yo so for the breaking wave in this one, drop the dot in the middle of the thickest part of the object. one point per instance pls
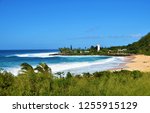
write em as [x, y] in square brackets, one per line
[87, 66]
[35, 55]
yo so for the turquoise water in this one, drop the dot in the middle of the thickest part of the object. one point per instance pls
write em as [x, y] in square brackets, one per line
[10, 60]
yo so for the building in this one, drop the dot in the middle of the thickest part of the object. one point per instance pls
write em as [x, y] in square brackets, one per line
[98, 47]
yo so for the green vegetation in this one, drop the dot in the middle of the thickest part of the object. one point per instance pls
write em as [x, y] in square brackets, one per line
[40, 81]
[140, 47]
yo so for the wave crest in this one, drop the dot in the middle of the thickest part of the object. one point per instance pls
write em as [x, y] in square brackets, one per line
[35, 55]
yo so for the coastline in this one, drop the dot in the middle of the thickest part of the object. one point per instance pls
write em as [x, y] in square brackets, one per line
[116, 63]
[139, 62]
[135, 62]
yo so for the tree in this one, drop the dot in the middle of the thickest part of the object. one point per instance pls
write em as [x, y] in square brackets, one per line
[60, 74]
[44, 69]
[69, 75]
[46, 79]
[27, 69]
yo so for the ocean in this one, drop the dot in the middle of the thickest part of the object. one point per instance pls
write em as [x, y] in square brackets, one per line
[10, 60]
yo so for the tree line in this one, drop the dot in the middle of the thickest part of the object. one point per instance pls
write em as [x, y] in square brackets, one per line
[140, 47]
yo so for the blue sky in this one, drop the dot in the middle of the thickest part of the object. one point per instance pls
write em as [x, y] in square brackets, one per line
[50, 24]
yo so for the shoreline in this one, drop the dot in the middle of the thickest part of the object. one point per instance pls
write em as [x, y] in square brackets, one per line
[131, 63]
[139, 62]
[135, 62]
[79, 67]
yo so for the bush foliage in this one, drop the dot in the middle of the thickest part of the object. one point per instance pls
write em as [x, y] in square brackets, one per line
[41, 82]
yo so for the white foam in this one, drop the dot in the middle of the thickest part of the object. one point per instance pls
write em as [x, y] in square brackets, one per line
[14, 70]
[59, 67]
[74, 65]
[38, 55]
[81, 56]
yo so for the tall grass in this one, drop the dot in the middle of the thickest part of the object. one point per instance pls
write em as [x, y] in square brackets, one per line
[122, 83]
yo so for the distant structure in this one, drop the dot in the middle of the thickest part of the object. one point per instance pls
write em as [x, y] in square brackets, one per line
[71, 47]
[98, 47]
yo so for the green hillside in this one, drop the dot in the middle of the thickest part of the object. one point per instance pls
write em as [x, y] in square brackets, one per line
[141, 47]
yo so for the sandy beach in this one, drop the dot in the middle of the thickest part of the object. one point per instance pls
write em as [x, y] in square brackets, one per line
[138, 62]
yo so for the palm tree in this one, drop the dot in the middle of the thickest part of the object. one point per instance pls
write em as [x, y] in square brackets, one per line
[27, 69]
[41, 74]
[47, 78]
[43, 69]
